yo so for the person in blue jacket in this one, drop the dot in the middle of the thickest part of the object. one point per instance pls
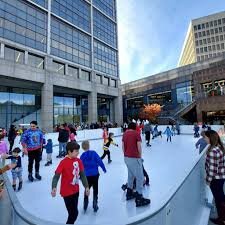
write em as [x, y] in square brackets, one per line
[91, 161]
[168, 133]
[49, 151]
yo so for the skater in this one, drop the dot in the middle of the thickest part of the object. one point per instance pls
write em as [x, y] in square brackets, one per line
[215, 173]
[131, 145]
[11, 137]
[63, 139]
[17, 171]
[147, 130]
[105, 134]
[91, 161]
[196, 130]
[72, 137]
[49, 150]
[201, 143]
[3, 147]
[178, 128]
[173, 129]
[71, 168]
[168, 133]
[108, 142]
[32, 140]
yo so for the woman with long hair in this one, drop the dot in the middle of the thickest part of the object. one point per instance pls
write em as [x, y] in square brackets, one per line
[215, 173]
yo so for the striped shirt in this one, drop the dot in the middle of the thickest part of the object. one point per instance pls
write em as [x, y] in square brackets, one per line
[215, 164]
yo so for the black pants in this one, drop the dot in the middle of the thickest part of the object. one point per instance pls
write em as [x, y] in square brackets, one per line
[147, 136]
[145, 176]
[169, 138]
[216, 187]
[93, 182]
[34, 156]
[71, 203]
[106, 152]
[11, 143]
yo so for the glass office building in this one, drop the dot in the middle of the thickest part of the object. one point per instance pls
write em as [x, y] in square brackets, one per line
[76, 39]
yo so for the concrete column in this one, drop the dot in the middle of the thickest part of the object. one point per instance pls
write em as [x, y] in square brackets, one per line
[118, 110]
[48, 63]
[199, 114]
[26, 58]
[92, 107]
[2, 48]
[66, 69]
[79, 73]
[112, 110]
[49, 28]
[47, 105]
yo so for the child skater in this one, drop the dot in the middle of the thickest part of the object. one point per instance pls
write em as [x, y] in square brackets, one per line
[71, 168]
[91, 162]
[168, 133]
[49, 150]
[108, 142]
[17, 171]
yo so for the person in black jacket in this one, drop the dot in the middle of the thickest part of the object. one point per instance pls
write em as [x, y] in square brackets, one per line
[11, 137]
[63, 139]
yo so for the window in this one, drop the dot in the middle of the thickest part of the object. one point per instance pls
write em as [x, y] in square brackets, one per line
[201, 50]
[113, 83]
[208, 32]
[217, 38]
[205, 49]
[211, 23]
[218, 46]
[98, 79]
[199, 34]
[214, 47]
[202, 57]
[219, 21]
[223, 20]
[108, 7]
[203, 26]
[203, 33]
[198, 58]
[220, 29]
[14, 54]
[200, 42]
[215, 22]
[197, 50]
[85, 75]
[211, 31]
[196, 43]
[199, 27]
[210, 55]
[195, 28]
[204, 41]
[222, 45]
[106, 81]
[216, 30]
[72, 71]
[210, 48]
[207, 25]
[209, 40]
[196, 35]
[221, 37]
[36, 61]
[213, 39]
[58, 67]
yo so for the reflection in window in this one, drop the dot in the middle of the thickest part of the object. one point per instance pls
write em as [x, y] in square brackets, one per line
[98, 79]
[14, 55]
[184, 93]
[58, 67]
[113, 83]
[107, 6]
[36, 61]
[72, 71]
[85, 75]
[106, 81]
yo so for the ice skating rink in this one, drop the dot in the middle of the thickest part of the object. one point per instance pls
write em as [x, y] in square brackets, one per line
[166, 163]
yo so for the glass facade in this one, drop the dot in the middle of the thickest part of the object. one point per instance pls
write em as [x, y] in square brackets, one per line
[18, 106]
[105, 59]
[104, 28]
[184, 93]
[106, 6]
[14, 55]
[70, 109]
[43, 3]
[103, 109]
[78, 12]
[69, 43]
[23, 23]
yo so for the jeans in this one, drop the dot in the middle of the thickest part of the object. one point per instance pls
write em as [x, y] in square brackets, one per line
[62, 148]
[135, 170]
[71, 203]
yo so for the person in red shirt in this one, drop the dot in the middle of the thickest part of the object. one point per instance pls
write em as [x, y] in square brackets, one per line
[131, 144]
[71, 168]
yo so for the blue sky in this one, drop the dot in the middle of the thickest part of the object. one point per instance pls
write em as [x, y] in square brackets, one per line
[152, 32]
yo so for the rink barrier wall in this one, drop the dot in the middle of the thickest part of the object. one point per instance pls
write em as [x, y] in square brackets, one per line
[184, 206]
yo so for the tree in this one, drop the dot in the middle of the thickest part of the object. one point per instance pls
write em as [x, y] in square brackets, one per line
[150, 111]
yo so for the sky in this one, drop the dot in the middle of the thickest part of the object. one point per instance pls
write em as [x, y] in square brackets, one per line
[151, 33]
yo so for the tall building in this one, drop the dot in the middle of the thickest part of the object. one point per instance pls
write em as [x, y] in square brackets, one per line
[205, 39]
[59, 62]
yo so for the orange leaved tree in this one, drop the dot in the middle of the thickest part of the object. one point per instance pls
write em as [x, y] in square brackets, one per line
[150, 111]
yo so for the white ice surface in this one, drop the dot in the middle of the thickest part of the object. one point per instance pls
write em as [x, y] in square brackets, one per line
[166, 163]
